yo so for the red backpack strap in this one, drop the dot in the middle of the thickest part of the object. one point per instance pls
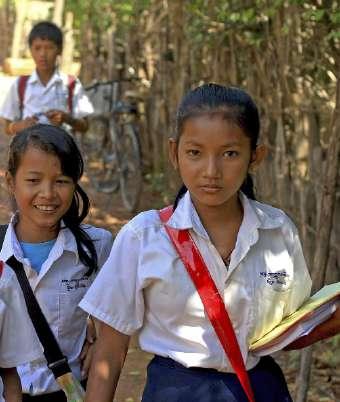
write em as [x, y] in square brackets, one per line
[211, 299]
[22, 83]
[70, 86]
[1, 267]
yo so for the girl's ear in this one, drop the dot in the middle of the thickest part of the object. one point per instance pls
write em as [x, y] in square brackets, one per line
[258, 155]
[9, 182]
[173, 148]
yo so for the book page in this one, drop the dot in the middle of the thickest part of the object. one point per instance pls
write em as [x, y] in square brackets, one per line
[313, 312]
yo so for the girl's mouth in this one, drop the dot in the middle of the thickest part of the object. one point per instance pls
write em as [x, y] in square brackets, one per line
[211, 189]
[46, 208]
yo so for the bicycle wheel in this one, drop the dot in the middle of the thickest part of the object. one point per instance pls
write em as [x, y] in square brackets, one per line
[99, 156]
[131, 177]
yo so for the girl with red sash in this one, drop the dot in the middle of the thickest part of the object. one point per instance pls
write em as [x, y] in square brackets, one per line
[251, 252]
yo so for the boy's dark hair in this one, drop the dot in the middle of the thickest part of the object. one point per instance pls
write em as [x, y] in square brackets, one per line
[46, 30]
[234, 104]
[56, 141]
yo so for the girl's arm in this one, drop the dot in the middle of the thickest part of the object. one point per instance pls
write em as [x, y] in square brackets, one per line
[109, 355]
[12, 385]
[13, 127]
[325, 330]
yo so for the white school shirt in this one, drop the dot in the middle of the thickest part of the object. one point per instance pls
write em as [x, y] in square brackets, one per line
[40, 98]
[144, 285]
[18, 343]
[58, 287]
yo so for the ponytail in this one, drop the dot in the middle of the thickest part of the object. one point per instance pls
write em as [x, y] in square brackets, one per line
[179, 195]
[72, 219]
[248, 187]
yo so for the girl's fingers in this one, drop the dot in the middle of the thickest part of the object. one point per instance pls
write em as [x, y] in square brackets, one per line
[86, 361]
[84, 350]
[90, 331]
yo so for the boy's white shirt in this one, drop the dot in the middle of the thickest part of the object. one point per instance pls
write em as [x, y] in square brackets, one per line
[18, 342]
[58, 287]
[144, 285]
[39, 98]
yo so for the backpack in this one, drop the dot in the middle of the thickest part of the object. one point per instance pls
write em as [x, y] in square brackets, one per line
[22, 83]
[3, 229]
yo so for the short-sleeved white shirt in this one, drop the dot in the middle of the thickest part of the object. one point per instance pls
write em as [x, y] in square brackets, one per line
[59, 287]
[39, 98]
[144, 285]
[18, 342]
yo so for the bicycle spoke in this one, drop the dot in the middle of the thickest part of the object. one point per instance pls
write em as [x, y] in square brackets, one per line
[131, 168]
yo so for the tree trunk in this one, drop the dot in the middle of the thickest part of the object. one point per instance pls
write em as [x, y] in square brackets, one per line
[322, 247]
[68, 50]
[21, 12]
[58, 12]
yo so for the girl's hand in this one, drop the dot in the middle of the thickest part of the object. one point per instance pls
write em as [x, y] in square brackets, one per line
[325, 330]
[87, 350]
[14, 127]
[57, 117]
[28, 122]
[12, 384]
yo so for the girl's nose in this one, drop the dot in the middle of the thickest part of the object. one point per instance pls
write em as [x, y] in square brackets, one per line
[212, 168]
[48, 190]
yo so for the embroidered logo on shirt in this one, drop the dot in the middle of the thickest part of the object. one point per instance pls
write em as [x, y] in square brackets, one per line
[276, 279]
[74, 284]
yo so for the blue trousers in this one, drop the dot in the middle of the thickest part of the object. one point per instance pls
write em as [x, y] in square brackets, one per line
[169, 381]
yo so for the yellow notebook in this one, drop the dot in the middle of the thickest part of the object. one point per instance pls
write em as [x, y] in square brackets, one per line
[313, 312]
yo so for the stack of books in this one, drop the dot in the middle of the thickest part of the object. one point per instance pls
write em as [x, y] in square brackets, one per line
[313, 312]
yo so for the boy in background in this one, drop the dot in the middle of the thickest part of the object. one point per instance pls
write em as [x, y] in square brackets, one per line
[47, 95]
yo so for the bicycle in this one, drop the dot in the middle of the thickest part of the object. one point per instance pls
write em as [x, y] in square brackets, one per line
[111, 146]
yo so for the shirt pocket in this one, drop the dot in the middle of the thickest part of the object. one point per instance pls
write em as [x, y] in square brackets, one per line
[72, 318]
[272, 291]
[276, 272]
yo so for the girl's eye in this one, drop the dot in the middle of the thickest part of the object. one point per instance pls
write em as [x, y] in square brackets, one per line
[64, 181]
[230, 154]
[32, 180]
[193, 152]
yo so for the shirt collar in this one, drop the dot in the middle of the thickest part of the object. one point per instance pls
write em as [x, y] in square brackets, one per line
[56, 77]
[185, 217]
[256, 216]
[11, 246]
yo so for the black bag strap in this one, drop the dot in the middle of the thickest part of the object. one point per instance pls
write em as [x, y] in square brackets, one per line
[3, 229]
[56, 361]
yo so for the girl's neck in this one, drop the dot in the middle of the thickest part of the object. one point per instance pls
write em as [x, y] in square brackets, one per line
[35, 236]
[220, 216]
[222, 223]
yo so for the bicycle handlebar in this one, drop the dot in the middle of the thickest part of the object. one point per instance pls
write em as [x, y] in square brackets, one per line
[110, 82]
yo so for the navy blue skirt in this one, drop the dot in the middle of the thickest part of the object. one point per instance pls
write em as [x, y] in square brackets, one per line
[169, 381]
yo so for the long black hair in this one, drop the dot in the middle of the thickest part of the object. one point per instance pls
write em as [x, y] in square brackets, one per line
[56, 141]
[234, 104]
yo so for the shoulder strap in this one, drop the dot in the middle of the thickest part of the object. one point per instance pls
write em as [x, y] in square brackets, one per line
[71, 84]
[56, 361]
[21, 92]
[211, 299]
[3, 229]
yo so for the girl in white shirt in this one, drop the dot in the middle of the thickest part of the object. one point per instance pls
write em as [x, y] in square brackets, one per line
[252, 251]
[59, 253]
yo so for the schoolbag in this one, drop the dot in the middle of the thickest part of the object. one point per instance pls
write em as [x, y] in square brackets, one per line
[22, 83]
[3, 229]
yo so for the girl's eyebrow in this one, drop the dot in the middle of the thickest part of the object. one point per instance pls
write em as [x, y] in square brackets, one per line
[225, 145]
[33, 172]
